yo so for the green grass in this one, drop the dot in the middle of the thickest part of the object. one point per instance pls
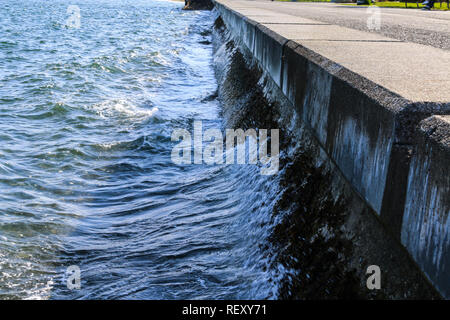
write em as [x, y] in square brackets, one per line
[410, 5]
[384, 4]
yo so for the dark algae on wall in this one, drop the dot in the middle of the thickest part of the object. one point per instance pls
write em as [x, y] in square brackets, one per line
[309, 236]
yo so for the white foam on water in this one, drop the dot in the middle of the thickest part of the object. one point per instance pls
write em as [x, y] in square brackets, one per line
[122, 108]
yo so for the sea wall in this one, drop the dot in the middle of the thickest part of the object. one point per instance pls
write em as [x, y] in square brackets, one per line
[378, 140]
[426, 225]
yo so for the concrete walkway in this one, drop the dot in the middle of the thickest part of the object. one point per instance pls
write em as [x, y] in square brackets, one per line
[413, 70]
[425, 27]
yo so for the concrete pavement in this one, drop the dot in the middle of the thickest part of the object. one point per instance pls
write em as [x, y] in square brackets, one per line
[425, 27]
[417, 72]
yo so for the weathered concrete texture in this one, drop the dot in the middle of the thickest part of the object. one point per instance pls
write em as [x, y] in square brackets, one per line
[362, 109]
[413, 81]
[333, 241]
[356, 130]
[426, 221]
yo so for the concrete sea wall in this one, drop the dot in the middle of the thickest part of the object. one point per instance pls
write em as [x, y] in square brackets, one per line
[395, 153]
[426, 225]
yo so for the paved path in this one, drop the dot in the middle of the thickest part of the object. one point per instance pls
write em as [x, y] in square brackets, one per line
[398, 61]
[424, 27]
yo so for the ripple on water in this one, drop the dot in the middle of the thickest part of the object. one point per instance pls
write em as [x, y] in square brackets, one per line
[85, 171]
